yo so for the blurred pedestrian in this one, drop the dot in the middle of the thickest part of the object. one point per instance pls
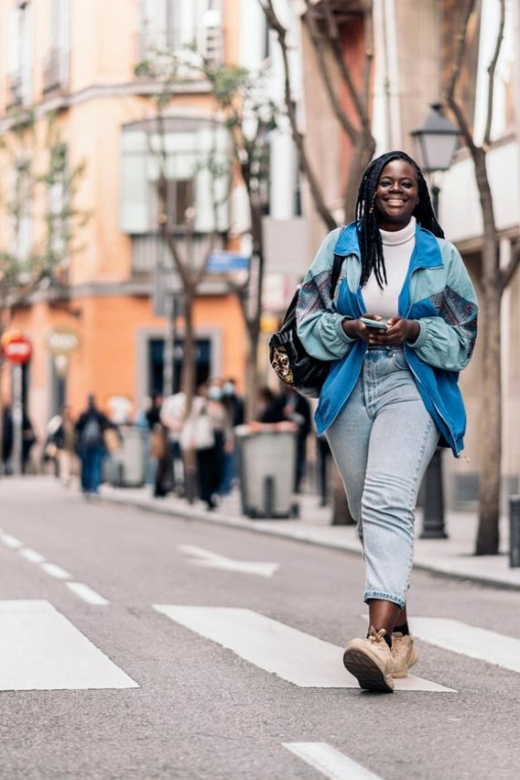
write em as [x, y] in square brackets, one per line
[172, 415]
[401, 327]
[270, 410]
[296, 409]
[90, 428]
[234, 405]
[207, 431]
[65, 441]
[29, 439]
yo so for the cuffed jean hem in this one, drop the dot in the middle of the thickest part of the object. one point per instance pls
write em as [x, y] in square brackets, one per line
[375, 594]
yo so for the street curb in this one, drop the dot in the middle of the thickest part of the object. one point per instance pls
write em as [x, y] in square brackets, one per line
[276, 528]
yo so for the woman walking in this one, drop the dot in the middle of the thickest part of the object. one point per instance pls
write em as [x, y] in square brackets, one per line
[402, 325]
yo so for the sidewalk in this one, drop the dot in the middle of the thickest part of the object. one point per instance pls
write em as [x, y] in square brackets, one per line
[452, 557]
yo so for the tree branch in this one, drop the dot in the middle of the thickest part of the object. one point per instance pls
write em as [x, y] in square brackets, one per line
[507, 273]
[320, 42]
[326, 216]
[491, 73]
[451, 101]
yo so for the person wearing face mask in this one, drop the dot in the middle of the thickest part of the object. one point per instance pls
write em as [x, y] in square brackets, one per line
[400, 328]
[208, 431]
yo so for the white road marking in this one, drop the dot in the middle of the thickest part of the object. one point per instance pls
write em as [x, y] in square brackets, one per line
[294, 656]
[87, 594]
[42, 650]
[56, 571]
[11, 541]
[329, 761]
[468, 640]
[31, 555]
[214, 561]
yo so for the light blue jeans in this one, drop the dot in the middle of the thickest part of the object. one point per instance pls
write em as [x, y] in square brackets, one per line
[382, 442]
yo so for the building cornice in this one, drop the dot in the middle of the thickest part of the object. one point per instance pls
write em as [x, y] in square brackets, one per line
[140, 88]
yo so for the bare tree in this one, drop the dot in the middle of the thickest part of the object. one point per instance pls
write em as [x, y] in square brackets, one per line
[250, 116]
[324, 33]
[493, 281]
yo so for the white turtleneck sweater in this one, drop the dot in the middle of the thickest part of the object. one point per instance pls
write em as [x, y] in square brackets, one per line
[398, 246]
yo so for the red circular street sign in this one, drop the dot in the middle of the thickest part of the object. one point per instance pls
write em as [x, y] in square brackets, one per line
[16, 347]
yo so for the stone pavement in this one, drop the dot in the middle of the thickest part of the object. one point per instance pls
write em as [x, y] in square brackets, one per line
[452, 557]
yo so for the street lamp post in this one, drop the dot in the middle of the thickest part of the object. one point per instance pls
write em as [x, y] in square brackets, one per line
[437, 139]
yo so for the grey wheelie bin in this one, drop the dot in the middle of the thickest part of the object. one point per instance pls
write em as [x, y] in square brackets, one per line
[267, 463]
[129, 461]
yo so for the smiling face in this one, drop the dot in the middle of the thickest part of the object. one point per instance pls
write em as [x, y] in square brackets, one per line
[397, 195]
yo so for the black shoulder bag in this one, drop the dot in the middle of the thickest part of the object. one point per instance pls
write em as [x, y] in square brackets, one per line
[287, 355]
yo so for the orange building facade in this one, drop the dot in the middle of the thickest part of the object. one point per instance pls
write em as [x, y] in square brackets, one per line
[101, 330]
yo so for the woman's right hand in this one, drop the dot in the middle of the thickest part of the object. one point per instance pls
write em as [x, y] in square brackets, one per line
[355, 329]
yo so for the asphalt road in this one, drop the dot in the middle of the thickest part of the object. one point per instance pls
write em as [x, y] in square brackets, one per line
[103, 676]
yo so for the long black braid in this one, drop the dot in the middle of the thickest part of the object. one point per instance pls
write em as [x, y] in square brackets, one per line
[370, 243]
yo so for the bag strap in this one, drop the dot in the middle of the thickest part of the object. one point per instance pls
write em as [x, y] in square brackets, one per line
[334, 274]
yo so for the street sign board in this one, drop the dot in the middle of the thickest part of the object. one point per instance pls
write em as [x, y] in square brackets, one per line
[227, 262]
[16, 347]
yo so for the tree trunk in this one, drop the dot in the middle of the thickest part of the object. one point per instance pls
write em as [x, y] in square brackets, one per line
[487, 542]
[188, 387]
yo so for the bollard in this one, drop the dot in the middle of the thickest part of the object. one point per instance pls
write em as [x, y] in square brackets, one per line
[433, 510]
[514, 532]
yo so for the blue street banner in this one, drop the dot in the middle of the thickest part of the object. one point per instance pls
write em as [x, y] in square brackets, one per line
[227, 262]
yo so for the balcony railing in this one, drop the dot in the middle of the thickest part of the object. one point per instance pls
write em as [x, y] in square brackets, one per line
[149, 251]
[55, 71]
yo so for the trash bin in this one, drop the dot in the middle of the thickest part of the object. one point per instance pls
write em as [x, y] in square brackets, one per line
[267, 463]
[129, 466]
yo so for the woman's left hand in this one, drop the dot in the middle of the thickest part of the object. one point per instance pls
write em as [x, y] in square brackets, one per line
[400, 330]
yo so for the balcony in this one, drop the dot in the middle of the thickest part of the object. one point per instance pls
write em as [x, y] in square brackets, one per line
[55, 72]
[149, 252]
[209, 40]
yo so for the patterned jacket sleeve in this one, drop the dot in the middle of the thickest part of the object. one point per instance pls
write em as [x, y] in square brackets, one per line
[319, 324]
[447, 341]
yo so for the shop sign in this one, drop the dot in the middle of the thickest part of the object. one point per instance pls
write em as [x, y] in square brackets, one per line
[62, 340]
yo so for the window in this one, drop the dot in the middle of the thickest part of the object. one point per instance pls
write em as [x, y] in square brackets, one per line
[19, 209]
[195, 148]
[20, 55]
[181, 24]
[56, 66]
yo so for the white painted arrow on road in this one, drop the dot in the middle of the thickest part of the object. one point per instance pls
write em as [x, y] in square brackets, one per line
[214, 561]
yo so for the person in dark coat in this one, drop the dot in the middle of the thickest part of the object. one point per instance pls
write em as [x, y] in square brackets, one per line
[90, 427]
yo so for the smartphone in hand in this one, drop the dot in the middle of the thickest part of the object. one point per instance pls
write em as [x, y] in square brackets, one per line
[381, 324]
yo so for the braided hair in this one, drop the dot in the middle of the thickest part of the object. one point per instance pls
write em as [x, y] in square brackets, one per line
[371, 246]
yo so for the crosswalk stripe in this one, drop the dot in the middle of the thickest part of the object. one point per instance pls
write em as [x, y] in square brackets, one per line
[42, 650]
[31, 555]
[469, 641]
[55, 571]
[329, 761]
[294, 656]
[11, 541]
[87, 594]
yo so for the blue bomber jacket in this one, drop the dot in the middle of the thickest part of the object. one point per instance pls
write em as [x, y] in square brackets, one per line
[437, 292]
